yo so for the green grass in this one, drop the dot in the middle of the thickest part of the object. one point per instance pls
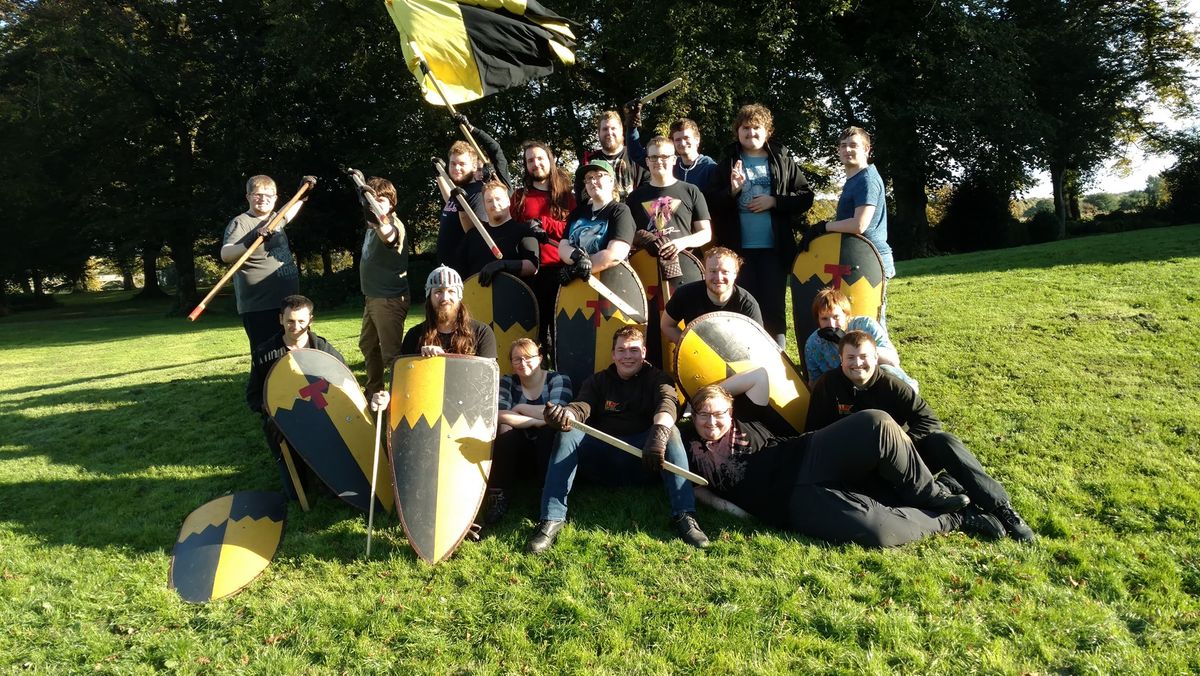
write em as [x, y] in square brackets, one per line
[1070, 368]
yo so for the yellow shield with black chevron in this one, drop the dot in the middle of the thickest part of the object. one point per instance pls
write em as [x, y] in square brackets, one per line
[443, 421]
[317, 404]
[848, 263]
[585, 321]
[661, 352]
[226, 543]
[508, 306]
[720, 344]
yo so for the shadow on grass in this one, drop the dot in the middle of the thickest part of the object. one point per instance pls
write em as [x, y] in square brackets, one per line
[1155, 245]
[91, 379]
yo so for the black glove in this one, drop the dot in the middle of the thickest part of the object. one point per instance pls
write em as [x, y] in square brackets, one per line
[490, 270]
[457, 192]
[267, 234]
[583, 268]
[831, 334]
[644, 239]
[556, 417]
[633, 115]
[439, 166]
[535, 230]
[813, 232]
[371, 217]
[459, 118]
[654, 451]
[312, 184]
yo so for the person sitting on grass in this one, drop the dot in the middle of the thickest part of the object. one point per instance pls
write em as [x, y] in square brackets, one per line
[831, 311]
[819, 484]
[631, 400]
[295, 318]
[860, 385]
[523, 440]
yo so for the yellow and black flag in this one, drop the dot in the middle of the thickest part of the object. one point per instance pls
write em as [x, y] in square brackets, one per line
[479, 47]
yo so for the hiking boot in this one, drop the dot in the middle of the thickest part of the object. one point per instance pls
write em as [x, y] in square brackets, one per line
[497, 506]
[944, 501]
[1013, 523]
[981, 523]
[689, 531]
[543, 536]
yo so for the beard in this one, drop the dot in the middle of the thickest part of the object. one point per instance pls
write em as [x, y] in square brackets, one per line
[446, 314]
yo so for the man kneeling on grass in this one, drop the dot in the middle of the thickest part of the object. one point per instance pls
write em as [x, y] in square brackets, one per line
[833, 484]
[631, 400]
[860, 385]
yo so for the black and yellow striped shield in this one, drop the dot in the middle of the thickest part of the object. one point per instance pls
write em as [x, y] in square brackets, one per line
[508, 306]
[661, 352]
[848, 263]
[585, 321]
[720, 344]
[443, 421]
[317, 404]
[226, 543]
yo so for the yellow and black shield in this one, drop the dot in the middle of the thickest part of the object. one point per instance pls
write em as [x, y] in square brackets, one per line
[720, 344]
[443, 422]
[661, 352]
[848, 263]
[585, 321]
[508, 306]
[225, 544]
[317, 404]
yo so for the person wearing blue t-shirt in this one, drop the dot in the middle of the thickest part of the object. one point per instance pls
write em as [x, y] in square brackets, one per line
[862, 207]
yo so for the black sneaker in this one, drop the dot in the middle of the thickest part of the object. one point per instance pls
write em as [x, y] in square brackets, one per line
[689, 530]
[497, 501]
[981, 523]
[1013, 523]
[944, 501]
[543, 536]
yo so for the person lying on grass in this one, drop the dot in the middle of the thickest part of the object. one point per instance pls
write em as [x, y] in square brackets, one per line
[838, 484]
[860, 385]
[831, 311]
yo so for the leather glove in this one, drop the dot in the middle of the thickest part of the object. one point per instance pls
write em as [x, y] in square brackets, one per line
[583, 268]
[664, 246]
[633, 115]
[654, 451]
[459, 118]
[812, 233]
[489, 271]
[267, 234]
[644, 239]
[535, 230]
[370, 217]
[831, 334]
[457, 192]
[556, 417]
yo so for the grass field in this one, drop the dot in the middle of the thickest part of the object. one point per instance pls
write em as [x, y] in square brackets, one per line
[1070, 368]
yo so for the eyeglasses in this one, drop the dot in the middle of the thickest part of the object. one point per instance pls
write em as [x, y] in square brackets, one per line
[711, 415]
[595, 178]
[661, 158]
[527, 359]
[263, 195]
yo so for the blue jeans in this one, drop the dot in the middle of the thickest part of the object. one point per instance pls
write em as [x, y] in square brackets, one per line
[609, 466]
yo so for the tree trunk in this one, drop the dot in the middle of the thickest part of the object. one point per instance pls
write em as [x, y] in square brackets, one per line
[127, 280]
[327, 261]
[150, 287]
[4, 311]
[181, 244]
[908, 231]
[37, 288]
[1058, 177]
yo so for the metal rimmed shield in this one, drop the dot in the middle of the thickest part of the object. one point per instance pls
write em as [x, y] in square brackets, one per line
[317, 404]
[584, 321]
[226, 543]
[508, 306]
[661, 352]
[720, 344]
[845, 262]
[443, 421]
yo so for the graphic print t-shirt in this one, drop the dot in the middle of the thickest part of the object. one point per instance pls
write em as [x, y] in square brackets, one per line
[593, 231]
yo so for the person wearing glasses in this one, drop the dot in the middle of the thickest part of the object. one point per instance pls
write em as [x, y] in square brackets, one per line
[826, 484]
[671, 215]
[270, 274]
[523, 442]
[600, 230]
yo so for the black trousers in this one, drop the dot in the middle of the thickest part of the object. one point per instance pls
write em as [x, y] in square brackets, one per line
[545, 288]
[275, 441]
[830, 499]
[518, 454]
[944, 451]
[261, 326]
[764, 275]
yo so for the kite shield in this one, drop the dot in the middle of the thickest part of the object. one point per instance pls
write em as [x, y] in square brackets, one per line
[661, 352]
[508, 306]
[584, 321]
[225, 544]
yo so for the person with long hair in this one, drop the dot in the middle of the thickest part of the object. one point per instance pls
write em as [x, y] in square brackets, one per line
[448, 327]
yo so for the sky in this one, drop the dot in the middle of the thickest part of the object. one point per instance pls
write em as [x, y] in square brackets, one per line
[1110, 179]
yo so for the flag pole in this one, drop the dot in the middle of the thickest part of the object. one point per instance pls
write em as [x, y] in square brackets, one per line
[424, 65]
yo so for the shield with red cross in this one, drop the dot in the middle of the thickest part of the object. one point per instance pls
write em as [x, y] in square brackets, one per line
[317, 404]
[848, 263]
[661, 352]
[585, 321]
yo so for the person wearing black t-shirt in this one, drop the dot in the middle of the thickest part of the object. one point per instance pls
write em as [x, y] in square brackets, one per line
[599, 231]
[448, 327]
[718, 292]
[674, 211]
[514, 240]
[818, 484]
